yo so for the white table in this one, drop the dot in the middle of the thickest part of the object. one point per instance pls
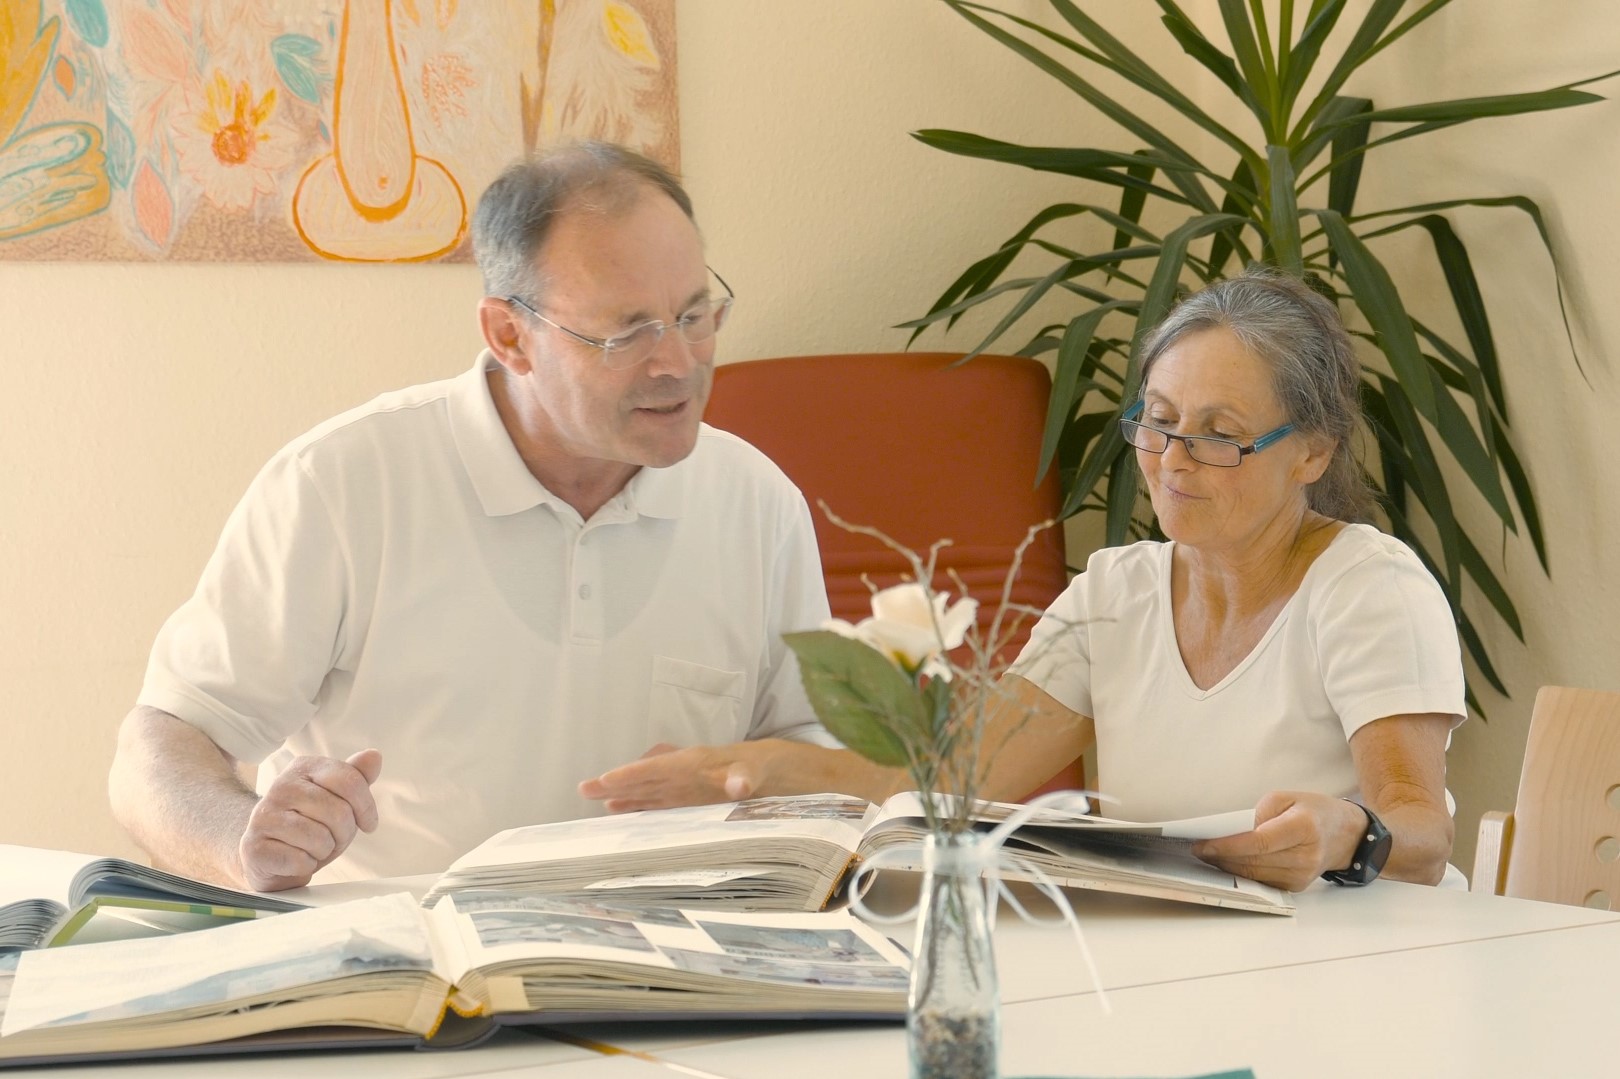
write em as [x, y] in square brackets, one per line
[1391, 980]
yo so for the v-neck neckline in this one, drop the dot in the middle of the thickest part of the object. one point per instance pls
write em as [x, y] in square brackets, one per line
[1167, 615]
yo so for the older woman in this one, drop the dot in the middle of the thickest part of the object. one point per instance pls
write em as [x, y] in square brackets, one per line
[1275, 652]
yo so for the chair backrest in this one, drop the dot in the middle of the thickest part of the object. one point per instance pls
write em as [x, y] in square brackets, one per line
[1566, 826]
[916, 447]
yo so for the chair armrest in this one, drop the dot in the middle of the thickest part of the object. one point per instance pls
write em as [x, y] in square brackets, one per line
[1491, 852]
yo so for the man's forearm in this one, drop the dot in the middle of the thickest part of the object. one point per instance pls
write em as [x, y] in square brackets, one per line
[179, 796]
[803, 768]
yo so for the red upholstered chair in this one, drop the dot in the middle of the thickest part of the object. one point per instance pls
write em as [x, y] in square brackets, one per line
[915, 447]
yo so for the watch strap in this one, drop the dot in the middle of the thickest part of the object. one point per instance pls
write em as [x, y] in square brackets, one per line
[1370, 854]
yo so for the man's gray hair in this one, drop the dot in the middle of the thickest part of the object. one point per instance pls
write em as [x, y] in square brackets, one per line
[1299, 335]
[518, 210]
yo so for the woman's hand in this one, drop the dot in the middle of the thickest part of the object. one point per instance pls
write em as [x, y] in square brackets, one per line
[1297, 837]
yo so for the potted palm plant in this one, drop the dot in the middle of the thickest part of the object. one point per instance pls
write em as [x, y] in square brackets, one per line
[1287, 197]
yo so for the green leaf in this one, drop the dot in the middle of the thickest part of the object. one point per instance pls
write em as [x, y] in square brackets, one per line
[1462, 373]
[1246, 49]
[1490, 587]
[1200, 48]
[1526, 205]
[1520, 483]
[1079, 435]
[1097, 165]
[1121, 499]
[1356, 52]
[1401, 437]
[1468, 451]
[1068, 381]
[1284, 213]
[1131, 203]
[1320, 138]
[1345, 180]
[1308, 49]
[1380, 302]
[1229, 241]
[1482, 659]
[864, 700]
[1103, 455]
[1085, 292]
[1465, 297]
[1474, 108]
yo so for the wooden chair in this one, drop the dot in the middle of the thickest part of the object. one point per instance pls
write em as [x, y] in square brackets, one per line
[1561, 843]
[916, 447]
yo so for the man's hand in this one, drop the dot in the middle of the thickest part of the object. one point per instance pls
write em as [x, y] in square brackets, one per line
[307, 818]
[665, 776]
[1297, 837]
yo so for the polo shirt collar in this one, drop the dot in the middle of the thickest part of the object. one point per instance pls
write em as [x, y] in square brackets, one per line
[659, 492]
[504, 483]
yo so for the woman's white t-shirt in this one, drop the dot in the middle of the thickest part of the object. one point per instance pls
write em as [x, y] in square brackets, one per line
[1368, 634]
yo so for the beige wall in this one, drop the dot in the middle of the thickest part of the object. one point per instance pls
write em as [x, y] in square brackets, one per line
[137, 401]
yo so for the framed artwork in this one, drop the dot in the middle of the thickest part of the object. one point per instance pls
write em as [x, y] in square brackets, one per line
[304, 130]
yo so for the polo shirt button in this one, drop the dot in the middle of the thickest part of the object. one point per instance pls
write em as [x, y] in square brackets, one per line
[584, 591]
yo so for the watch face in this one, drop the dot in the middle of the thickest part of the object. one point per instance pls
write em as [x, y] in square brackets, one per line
[1370, 855]
[1378, 853]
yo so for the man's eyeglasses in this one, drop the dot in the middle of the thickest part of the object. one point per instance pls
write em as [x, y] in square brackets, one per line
[1220, 452]
[630, 347]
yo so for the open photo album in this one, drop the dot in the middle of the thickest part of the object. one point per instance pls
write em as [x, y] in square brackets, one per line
[90, 897]
[386, 971]
[797, 853]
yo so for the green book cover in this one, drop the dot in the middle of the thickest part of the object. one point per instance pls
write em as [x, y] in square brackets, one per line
[110, 917]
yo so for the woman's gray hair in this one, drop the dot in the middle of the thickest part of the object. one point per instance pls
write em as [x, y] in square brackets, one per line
[518, 210]
[1299, 335]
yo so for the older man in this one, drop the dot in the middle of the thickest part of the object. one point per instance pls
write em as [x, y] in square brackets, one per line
[434, 616]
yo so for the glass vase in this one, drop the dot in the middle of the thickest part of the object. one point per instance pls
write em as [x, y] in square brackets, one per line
[953, 1021]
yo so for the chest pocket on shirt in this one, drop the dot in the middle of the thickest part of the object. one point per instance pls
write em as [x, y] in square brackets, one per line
[694, 705]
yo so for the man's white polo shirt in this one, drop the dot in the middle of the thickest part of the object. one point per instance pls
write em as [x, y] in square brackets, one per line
[397, 578]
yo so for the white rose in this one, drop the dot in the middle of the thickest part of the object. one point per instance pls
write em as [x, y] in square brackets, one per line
[909, 629]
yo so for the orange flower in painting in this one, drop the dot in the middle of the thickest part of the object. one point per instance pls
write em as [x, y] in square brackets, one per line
[230, 145]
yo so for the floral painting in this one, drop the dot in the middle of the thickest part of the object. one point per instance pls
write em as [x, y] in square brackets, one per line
[341, 130]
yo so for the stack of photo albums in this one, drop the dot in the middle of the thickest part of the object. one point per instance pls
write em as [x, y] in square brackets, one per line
[727, 911]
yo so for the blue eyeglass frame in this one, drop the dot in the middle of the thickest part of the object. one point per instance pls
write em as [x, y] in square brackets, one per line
[1187, 441]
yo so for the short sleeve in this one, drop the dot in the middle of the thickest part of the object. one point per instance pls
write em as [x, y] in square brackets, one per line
[797, 601]
[1057, 657]
[1386, 641]
[245, 658]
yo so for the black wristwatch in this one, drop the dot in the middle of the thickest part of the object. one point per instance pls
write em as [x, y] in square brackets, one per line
[1371, 854]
